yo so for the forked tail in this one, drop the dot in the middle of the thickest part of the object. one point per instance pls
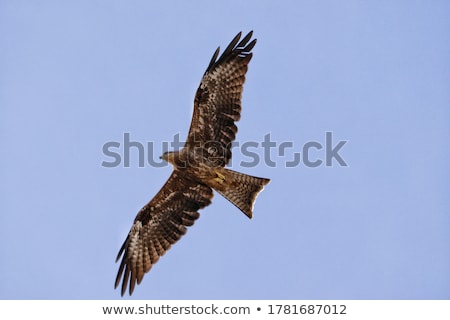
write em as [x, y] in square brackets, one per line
[240, 189]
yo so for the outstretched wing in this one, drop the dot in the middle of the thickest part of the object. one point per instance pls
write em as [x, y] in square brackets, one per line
[217, 103]
[158, 225]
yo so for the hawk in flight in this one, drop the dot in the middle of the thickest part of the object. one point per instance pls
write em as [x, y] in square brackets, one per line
[198, 168]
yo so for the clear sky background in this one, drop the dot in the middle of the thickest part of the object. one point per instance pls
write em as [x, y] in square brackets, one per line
[76, 75]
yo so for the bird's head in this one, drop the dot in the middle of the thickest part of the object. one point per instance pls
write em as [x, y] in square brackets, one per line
[168, 156]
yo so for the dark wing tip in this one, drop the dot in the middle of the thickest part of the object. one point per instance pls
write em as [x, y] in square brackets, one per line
[246, 39]
[235, 48]
[123, 267]
[119, 277]
[213, 59]
[122, 249]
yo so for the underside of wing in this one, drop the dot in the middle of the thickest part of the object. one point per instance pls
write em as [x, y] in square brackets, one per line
[158, 225]
[217, 104]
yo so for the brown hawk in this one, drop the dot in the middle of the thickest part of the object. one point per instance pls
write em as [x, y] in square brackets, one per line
[198, 168]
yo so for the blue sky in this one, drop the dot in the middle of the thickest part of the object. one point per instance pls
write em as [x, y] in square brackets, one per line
[376, 74]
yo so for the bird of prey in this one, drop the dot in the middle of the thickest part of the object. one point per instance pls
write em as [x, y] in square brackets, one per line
[198, 168]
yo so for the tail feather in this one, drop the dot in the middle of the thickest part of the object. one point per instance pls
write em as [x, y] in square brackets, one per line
[240, 189]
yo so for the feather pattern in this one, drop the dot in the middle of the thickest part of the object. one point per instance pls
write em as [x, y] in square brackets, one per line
[158, 225]
[217, 104]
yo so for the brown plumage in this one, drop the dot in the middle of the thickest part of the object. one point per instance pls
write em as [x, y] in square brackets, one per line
[198, 168]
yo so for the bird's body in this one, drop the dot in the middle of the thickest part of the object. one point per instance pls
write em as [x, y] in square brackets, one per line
[198, 168]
